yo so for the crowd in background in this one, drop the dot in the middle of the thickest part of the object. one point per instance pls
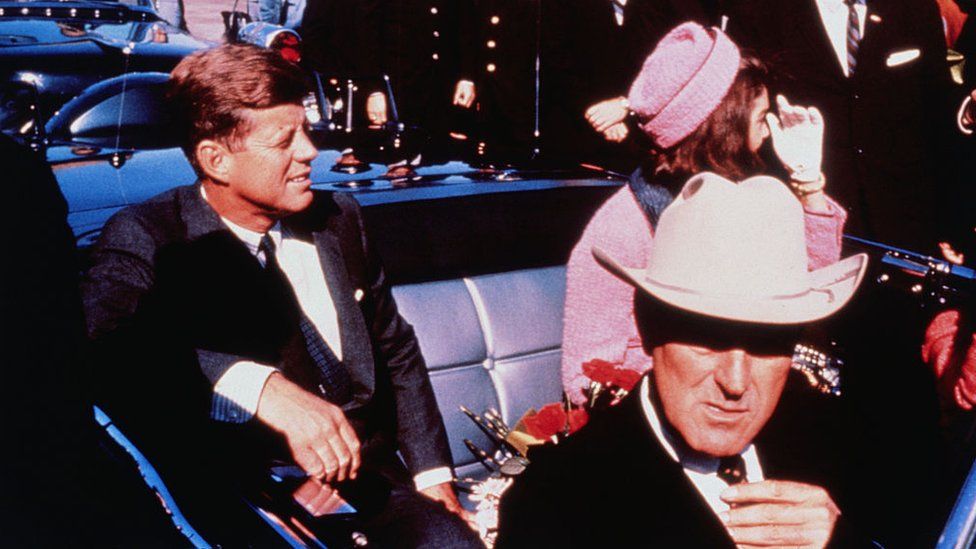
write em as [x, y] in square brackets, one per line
[504, 82]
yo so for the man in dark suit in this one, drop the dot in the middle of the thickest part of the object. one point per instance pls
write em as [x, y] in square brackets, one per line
[422, 52]
[585, 61]
[505, 35]
[702, 453]
[263, 317]
[877, 70]
[881, 80]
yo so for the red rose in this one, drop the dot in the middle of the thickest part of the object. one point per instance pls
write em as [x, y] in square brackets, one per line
[548, 421]
[551, 420]
[600, 371]
[606, 374]
[626, 379]
[577, 419]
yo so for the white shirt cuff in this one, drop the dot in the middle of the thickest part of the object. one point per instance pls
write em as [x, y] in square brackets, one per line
[962, 110]
[237, 392]
[433, 477]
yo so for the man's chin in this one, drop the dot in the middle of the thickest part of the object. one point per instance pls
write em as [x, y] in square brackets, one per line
[719, 444]
[299, 203]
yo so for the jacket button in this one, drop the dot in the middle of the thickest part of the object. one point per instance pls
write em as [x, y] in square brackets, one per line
[433, 10]
[495, 20]
[491, 44]
[490, 67]
[435, 57]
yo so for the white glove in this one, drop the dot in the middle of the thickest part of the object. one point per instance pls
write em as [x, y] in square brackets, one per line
[798, 139]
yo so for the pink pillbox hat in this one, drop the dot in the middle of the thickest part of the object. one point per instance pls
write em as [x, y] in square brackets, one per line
[683, 81]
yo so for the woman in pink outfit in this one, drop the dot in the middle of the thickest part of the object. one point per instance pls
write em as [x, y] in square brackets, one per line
[705, 107]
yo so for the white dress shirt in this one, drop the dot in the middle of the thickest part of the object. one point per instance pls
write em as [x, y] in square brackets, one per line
[618, 10]
[833, 15]
[701, 471]
[237, 392]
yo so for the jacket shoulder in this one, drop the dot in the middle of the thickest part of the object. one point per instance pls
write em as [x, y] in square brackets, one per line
[158, 218]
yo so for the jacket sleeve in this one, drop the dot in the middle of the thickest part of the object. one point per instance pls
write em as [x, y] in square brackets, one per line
[825, 233]
[123, 320]
[420, 432]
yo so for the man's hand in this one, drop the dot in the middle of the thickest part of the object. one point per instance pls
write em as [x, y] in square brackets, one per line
[616, 133]
[444, 493]
[376, 108]
[607, 113]
[779, 513]
[321, 441]
[464, 94]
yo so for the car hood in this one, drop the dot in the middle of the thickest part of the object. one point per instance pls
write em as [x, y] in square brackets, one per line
[24, 42]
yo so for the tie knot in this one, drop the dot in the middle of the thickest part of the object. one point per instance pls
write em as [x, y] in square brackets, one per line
[267, 247]
[732, 469]
[852, 3]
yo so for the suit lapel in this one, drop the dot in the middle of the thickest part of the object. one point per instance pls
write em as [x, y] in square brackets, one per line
[812, 31]
[652, 473]
[357, 355]
[871, 54]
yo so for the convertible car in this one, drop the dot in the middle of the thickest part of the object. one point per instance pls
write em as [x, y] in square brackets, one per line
[476, 255]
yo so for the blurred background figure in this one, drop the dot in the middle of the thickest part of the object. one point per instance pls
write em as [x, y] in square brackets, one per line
[424, 47]
[287, 13]
[504, 61]
[586, 60]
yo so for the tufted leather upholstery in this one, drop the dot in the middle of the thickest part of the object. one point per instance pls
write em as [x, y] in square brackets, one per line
[489, 341]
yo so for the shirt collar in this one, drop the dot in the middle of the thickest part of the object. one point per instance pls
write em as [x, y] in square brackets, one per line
[832, 5]
[688, 460]
[252, 239]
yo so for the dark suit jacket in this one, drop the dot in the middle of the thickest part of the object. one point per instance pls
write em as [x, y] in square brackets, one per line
[173, 299]
[584, 61]
[422, 55]
[888, 128]
[612, 484]
[506, 95]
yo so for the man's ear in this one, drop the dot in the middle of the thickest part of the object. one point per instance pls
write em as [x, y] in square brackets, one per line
[214, 159]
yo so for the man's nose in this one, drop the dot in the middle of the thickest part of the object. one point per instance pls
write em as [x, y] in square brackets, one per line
[305, 149]
[732, 373]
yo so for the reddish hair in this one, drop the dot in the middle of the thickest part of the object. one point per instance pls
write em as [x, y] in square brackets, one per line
[210, 90]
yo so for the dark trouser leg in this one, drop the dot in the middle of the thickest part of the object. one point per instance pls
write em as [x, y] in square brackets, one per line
[411, 520]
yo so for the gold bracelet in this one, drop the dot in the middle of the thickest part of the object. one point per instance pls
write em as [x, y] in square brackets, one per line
[806, 188]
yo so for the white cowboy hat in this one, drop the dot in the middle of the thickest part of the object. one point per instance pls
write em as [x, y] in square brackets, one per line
[738, 251]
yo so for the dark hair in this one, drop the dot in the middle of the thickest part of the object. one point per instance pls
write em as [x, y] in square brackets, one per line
[720, 143]
[209, 90]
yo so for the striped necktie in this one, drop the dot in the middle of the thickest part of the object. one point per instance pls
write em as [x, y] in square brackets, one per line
[334, 382]
[853, 34]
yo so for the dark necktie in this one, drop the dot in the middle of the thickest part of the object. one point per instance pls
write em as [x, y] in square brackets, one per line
[853, 34]
[732, 469]
[335, 384]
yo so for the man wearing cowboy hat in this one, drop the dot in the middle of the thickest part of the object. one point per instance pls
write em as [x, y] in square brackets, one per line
[704, 452]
